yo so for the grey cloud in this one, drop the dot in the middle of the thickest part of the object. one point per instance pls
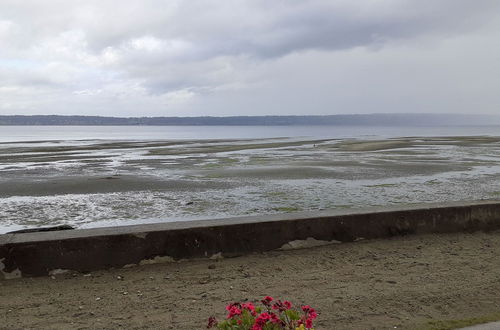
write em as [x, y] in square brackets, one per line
[260, 28]
[271, 29]
[169, 52]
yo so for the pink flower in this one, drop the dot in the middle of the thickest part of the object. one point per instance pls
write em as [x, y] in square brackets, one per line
[231, 305]
[250, 307]
[262, 319]
[282, 306]
[267, 300]
[274, 315]
[306, 308]
[233, 311]
[275, 319]
[279, 306]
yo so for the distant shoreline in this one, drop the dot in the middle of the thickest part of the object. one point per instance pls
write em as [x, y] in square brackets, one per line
[313, 120]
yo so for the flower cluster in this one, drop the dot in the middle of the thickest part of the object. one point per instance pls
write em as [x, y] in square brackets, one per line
[274, 315]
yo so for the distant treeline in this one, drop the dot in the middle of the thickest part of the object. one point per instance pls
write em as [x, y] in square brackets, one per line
[341, 120]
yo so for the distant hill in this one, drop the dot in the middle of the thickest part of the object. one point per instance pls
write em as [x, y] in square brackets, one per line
[340, 120]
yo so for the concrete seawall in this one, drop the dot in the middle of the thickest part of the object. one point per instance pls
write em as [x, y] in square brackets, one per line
[43, 253]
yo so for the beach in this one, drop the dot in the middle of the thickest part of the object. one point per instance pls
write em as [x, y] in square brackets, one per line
[164, 162]
[111, 182]
[406, 282]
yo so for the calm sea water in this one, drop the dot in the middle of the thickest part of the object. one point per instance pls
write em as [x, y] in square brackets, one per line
[43, 133]
[88, 176]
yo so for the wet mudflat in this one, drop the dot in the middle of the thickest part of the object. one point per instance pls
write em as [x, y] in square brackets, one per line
[88, 183]
[405, 283]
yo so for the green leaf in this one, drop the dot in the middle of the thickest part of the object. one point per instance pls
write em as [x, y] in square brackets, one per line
[292, 315]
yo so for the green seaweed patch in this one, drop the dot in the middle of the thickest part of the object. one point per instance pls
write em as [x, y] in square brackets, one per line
[229, 160]
[375, 145]
[383, 185]
[220, 162]
[286, 209]
[211, 165]
[258, 160]
[214, 176]
[461, 323]
[495, 193]
[210, 149]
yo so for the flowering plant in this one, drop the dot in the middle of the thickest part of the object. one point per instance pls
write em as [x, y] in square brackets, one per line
[275, 315]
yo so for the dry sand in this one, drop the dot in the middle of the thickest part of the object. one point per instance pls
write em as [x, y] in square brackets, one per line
[381, 284]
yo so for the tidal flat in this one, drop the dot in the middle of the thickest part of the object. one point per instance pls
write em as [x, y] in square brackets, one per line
[89, 183]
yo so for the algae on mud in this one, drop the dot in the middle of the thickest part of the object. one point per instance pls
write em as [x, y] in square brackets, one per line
[64, 182]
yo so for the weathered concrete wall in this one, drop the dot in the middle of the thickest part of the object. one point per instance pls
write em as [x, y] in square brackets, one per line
[35, 254]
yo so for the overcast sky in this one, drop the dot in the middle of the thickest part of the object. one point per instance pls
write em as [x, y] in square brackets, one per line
[189, 57]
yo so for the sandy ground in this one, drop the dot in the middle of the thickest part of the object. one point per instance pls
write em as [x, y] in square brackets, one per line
[380, 284]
